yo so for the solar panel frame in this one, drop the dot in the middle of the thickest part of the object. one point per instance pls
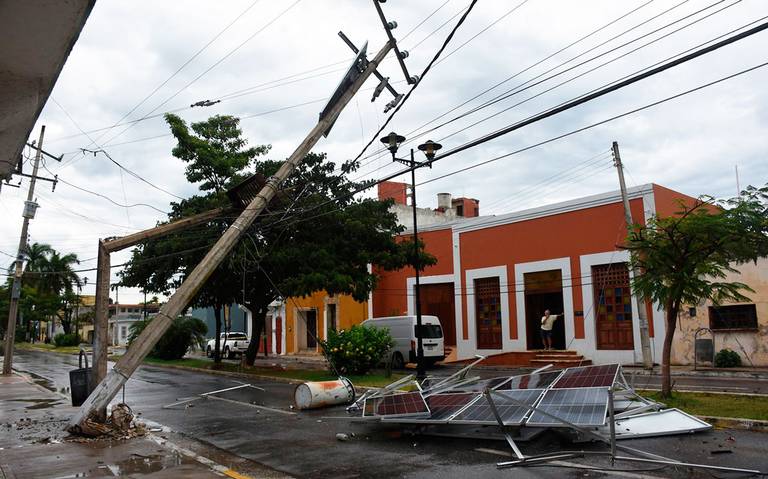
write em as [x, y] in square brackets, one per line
[543, 380]
[578, 406]
[402, 405]
[439, 414]
[588, 376]
[512, 413]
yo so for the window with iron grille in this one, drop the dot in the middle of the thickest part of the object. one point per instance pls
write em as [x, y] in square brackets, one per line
[736, 316]
[488, 313]
[612, 293]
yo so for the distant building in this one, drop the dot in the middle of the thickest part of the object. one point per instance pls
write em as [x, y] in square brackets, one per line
[123, 316]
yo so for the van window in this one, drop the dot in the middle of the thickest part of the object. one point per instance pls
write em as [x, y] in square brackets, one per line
[428, 331]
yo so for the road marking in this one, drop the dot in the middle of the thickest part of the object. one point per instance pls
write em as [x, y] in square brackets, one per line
[235, 474]
[197, 457]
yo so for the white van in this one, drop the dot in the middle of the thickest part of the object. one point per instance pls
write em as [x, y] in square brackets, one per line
[403, 332]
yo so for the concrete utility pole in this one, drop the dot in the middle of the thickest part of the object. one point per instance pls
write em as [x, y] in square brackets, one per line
[127, 364]
[101, 317]
[29, 212]
[642, 317]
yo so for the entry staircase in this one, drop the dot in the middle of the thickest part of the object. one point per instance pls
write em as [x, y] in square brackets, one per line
[559, 359]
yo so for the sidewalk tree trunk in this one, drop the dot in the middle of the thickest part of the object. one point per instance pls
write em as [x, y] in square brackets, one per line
[217, 337]
[686, 258]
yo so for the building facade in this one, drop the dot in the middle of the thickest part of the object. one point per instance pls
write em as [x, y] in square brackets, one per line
[495, 276]
[740, 327]
[123, 316]
[309, 319]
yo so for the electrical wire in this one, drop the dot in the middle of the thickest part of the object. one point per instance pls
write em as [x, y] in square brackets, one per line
[519, 88]
[215, 64]
[520, 72]
[391, 176]
[421, 78]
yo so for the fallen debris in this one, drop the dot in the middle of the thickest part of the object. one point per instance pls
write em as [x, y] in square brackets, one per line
[591, 403]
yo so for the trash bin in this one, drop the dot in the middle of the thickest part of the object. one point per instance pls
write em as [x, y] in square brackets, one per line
[80, 381]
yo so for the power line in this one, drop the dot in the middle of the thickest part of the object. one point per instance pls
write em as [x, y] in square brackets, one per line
[391, 176]
[215, 64]
[104, 196]
[518, 73]
[604, 91]
[517, 89]
[579, 130]
[421, 78]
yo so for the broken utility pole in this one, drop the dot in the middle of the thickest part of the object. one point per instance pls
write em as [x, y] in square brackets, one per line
[127, 364]
[29, 213]
[103, 266]
[642, 316]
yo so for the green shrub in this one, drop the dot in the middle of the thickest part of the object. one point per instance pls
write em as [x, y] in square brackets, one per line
[357, 350]
[726, 358]
[61, 340]
[21, 334]
[183, 333]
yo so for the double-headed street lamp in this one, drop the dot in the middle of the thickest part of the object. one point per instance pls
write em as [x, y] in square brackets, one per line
[393, 141]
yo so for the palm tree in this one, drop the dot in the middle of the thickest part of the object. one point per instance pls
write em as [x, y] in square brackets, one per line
[58, 279]
[37, 257]
[60, 276]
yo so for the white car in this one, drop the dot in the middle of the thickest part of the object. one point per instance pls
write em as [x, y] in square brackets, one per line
[403, 332]
[230, 344]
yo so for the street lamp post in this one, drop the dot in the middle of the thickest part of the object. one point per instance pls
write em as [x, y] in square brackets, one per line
[393, 141]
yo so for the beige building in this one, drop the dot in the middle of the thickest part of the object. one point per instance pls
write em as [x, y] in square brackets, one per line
[741, 327]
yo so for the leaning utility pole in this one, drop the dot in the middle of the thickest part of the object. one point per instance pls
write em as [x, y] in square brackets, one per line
[642, 317]
[127, 364]
[29, 213]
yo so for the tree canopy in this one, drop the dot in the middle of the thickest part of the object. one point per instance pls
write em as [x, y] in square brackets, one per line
[314, 236]
[685, 258]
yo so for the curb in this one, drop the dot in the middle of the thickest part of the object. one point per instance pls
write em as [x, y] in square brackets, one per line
[753, 425]
[701, 374]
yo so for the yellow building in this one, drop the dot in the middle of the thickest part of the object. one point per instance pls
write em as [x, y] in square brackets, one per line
[308, 319]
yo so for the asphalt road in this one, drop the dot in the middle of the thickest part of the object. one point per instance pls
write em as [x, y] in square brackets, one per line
[304, 444]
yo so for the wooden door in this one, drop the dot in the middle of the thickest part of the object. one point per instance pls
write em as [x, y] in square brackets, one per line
[311, 318]
[488, 313]
[613, 306]
[438, 300]
[279, 335]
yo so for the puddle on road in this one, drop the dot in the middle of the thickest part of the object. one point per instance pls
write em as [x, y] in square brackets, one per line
[39, 403]
[136, 464]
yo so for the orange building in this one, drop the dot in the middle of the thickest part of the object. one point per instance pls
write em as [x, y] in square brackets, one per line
[309, 319]
[495, 276]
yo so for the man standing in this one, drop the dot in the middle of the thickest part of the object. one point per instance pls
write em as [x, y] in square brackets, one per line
[547, 323]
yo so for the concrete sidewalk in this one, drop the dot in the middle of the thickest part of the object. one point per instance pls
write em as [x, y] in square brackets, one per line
[34, 443]
[701, 371]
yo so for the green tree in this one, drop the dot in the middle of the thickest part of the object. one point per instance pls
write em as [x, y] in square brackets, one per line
[314, 236]
[686, 257]
[184, 333]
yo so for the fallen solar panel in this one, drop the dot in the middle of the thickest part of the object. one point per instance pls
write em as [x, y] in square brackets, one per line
[579, 399]
[592, 403]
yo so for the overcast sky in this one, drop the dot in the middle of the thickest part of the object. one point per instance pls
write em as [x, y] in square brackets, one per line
[281, 54]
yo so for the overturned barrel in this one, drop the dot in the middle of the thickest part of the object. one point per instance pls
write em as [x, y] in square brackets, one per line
[316, 394]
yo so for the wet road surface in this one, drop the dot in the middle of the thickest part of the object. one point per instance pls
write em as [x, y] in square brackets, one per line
[304, 444]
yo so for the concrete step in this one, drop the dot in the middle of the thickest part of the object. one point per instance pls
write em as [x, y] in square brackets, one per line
[558, 357]
[556, 351]
[562, 363]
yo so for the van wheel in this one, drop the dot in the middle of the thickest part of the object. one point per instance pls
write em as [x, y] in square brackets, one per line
[397, 361]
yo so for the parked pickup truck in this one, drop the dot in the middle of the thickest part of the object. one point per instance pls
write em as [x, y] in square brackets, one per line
[231, 344]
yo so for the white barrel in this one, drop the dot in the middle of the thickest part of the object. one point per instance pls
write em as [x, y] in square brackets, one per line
[315, 394]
